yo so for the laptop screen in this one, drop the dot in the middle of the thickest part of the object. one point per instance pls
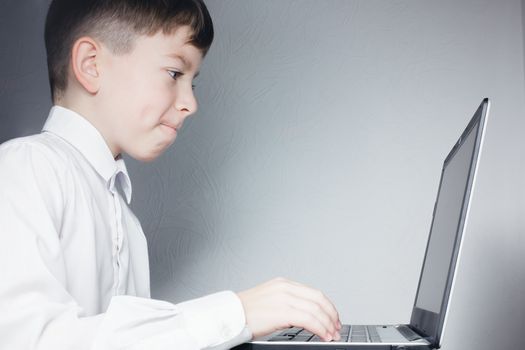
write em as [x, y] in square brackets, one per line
[444, 227]
[447, 227]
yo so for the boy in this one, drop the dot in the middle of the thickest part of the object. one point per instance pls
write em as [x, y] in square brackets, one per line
[73, 255]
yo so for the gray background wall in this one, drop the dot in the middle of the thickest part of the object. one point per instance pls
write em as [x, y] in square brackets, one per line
[317, 149]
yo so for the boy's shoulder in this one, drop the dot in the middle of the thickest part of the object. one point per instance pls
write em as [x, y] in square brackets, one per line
[35, 170]
[27, 151]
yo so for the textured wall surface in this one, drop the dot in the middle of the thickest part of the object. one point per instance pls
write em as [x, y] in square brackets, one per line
[24, 87]
[317, 149]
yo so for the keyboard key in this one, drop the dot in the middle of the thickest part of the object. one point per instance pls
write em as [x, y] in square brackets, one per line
[291, 331]
[281, 338]
[305, 332]
[301, 338]
[358, 339]
[345, 330]
[344, 338]
[316, 338]
[358, 334]
[372, 333]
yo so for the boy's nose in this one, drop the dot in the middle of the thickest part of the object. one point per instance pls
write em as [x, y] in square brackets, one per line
[186, 104]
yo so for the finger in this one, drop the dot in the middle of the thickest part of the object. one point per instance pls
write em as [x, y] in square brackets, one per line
[314, 295]
[306, 320]
[315, 310]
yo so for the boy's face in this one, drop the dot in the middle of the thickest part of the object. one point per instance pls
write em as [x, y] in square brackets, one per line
[147, 94]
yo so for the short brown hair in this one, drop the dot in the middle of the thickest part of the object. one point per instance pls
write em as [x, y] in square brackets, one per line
[117, 23]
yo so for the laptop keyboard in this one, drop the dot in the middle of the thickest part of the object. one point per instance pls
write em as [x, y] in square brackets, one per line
[353, 334]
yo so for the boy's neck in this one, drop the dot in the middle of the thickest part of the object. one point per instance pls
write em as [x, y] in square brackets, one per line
[95, 118]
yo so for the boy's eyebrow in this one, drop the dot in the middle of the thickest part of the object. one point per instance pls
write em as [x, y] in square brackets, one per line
[184, 61]
[179, 57]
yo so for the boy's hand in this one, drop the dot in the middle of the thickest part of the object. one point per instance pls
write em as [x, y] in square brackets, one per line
[281, 303]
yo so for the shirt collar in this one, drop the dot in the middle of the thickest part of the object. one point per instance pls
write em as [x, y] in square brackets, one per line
[81, 134]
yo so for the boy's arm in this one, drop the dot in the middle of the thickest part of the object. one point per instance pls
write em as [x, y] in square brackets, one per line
[36, 310]
[216, 320]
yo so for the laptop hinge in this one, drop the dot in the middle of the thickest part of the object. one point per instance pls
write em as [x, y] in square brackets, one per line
[433, 343]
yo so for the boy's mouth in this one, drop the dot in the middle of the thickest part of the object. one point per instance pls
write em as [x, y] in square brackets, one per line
[170, 128]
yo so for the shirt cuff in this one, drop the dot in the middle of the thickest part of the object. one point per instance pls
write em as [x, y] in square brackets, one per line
[215, 320]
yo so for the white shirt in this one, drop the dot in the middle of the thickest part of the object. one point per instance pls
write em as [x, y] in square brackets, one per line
[73, 258]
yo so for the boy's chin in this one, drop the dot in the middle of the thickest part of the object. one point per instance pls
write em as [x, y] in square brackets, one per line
[147, 155]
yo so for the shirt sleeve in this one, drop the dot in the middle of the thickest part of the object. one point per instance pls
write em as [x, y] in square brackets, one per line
[36, 310]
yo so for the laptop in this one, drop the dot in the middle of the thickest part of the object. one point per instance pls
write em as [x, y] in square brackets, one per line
[436, 282]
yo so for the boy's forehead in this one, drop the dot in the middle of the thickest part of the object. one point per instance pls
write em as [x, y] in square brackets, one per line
[175, 46]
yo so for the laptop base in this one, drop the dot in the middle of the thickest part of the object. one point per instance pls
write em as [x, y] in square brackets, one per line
[330, 346]
[354, 337]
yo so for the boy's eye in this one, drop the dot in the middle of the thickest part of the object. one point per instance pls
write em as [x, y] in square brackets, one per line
[174, 74]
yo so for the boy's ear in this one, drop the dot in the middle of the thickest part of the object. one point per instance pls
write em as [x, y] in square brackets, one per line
[84, 59]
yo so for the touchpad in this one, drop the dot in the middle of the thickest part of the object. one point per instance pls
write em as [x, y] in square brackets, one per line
[389, 334]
